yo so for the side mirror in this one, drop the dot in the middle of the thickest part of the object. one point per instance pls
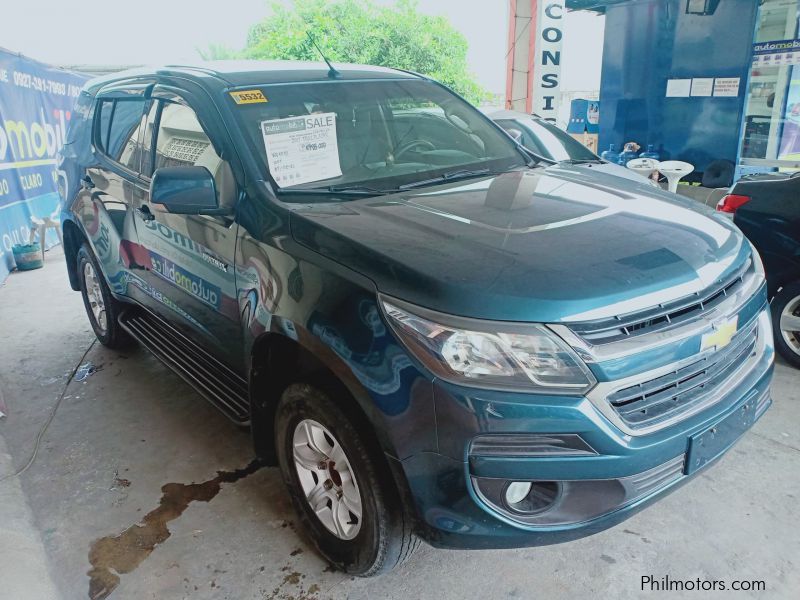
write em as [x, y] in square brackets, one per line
[184, 190]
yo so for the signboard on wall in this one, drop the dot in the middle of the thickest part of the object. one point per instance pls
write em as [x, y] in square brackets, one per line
[679, 88]
[702, 86]
[35, 107]
[778, 53]
[726, 87]
[546, 88]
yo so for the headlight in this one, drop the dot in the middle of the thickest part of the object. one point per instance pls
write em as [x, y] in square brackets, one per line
[495, 355]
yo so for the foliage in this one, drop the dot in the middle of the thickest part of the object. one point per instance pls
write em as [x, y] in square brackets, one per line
[217, 52]
[360, 31]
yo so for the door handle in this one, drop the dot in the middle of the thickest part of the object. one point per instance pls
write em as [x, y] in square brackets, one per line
[144, 213]
[87, 183]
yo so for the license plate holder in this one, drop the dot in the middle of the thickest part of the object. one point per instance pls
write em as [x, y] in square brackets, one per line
[709, 444]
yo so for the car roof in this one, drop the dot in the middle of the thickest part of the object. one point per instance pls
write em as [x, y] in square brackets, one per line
[236, 73]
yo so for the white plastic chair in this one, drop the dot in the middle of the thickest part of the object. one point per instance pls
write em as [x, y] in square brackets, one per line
[40, 225]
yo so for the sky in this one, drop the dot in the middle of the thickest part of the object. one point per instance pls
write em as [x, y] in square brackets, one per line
[134, 32]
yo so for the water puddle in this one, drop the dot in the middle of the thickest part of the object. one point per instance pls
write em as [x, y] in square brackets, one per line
[117, 555]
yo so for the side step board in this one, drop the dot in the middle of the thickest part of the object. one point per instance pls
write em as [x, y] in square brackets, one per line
[216, 382]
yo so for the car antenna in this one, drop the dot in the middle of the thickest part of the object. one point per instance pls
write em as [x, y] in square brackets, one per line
[332, 72]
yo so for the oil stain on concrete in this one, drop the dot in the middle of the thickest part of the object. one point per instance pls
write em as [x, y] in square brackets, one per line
[116, 555]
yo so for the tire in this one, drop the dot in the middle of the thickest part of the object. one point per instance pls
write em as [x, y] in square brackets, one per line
[101, 307]
[787, 304]
[373, 542]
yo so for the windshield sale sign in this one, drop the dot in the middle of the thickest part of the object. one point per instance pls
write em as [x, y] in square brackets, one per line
[35, 108]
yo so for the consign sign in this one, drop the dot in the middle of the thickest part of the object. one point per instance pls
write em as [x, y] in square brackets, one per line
[547, 67]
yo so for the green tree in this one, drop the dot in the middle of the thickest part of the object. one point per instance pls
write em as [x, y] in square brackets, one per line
[359, 31]
[217, 52]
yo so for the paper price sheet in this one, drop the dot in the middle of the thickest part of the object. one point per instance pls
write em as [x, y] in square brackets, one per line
[302, 149]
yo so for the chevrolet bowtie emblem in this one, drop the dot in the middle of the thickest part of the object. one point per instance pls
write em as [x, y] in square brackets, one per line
[721, 336]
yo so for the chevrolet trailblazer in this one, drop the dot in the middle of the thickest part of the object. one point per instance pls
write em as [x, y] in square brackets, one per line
[433, 333]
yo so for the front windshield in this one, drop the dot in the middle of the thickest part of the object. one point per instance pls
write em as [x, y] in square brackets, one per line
[547, 140]
[375, 135]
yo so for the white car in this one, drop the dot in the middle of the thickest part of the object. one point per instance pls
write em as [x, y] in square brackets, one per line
[547, 140]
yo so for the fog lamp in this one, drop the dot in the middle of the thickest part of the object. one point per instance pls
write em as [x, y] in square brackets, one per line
[530, 498]
[516, 492]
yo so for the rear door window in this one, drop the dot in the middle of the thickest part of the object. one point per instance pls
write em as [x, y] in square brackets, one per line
[119, 124]
[105, 109]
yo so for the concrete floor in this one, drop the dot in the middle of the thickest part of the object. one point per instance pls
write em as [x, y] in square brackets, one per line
[133, 427]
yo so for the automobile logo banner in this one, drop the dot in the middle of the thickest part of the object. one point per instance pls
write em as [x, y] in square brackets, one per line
[778, 53]
[36, 103]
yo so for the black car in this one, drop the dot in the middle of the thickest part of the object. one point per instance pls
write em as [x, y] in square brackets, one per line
[766, 208]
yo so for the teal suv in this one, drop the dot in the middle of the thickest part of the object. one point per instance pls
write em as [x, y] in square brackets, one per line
[434, 333]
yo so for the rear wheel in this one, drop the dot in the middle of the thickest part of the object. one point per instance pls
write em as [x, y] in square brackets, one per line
[786, 323]
[342, 492]
[101, 307]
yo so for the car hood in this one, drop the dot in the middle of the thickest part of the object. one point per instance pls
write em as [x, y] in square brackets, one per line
[561, 243]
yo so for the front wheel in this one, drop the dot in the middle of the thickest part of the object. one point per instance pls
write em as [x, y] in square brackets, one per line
[341, 491]
[101, 307]
[786, 323]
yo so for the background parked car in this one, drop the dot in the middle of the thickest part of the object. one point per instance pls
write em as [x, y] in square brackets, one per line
[547, 140]
[766, 208]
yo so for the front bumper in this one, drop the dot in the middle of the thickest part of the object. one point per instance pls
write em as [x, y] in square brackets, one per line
[623, 475]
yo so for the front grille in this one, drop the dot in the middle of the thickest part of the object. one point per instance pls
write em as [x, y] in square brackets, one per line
[664, 397]
[663, 316]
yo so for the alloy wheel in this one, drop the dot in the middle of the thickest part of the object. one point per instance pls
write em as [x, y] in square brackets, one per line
[94, 294]
[790, 324]
[327, 479]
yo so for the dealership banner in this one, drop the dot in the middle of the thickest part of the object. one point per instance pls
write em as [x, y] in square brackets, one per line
[35, 106]
[779, 53]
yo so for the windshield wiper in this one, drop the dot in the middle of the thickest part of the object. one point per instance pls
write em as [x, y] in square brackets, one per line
[359, 189]
[451, 176]
[363, 190]
[345, 190]
[582, 161]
